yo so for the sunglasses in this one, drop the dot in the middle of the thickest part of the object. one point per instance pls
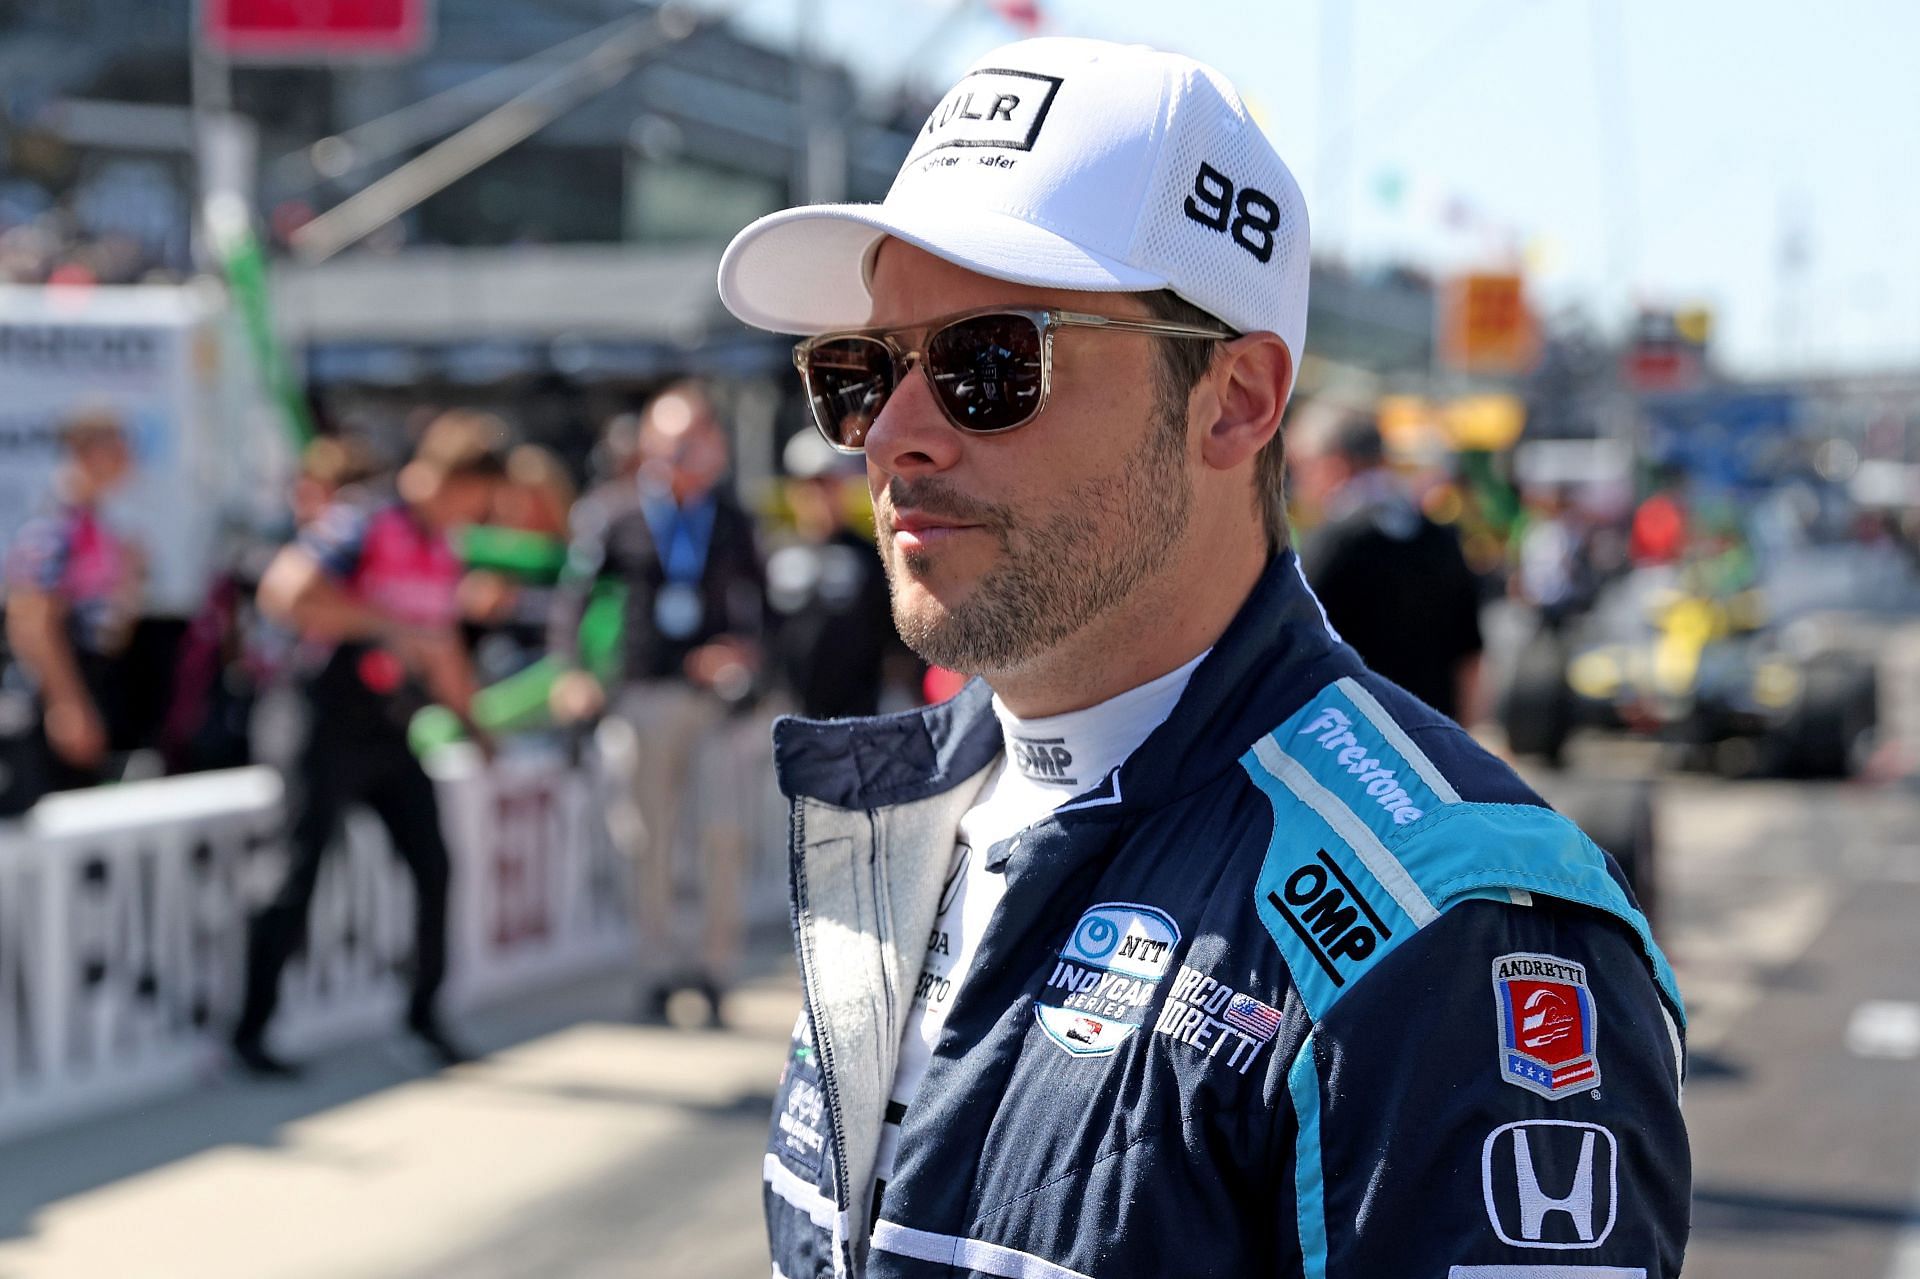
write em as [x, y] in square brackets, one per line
[990, 370]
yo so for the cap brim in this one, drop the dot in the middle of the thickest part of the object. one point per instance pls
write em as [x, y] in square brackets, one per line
[804, 270]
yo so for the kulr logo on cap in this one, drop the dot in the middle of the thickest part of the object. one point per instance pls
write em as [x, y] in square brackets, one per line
[1061, 163]
[992, 108]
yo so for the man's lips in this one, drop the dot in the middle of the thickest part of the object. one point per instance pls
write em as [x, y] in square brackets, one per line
[917, 530]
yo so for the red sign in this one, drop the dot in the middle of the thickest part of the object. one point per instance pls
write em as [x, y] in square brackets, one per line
[1486, 326]
[315, 30]
[1667, 351]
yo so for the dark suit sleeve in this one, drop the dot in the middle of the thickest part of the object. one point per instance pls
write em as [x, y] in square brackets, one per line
[1418, 1157]
[746, 576]
[587, 553]
[1463, 635]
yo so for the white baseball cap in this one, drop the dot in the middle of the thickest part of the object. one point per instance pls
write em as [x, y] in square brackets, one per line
[1064, 163]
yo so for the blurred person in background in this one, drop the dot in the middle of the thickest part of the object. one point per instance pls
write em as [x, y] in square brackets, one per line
[675, 746]
[369, 585]
[1166, 946]
[828, 592]
[1550, 562]
[1395, 584]
[73, 596]
[509, 595]
[328, 464]
[538, 495]
[230, 657]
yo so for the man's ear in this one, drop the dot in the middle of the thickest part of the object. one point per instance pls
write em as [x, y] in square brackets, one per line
[1251, 380]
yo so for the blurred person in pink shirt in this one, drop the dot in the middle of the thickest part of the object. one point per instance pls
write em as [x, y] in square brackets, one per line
[73, 588]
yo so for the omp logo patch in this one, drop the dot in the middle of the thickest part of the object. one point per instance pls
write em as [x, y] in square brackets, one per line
[994, 108]
[1550, 1183]
[1546, 1023]
[1332, 729]
[1044, 759]
[1217, 1019]
[1097, 993]
[1330, 915]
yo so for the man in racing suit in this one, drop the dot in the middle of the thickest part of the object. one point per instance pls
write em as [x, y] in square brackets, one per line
[1180, 943]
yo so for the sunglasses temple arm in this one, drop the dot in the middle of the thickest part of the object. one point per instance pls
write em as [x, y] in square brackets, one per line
[1164, 328]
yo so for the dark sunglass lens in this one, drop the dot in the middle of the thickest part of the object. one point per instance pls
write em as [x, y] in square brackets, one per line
[986, 371]
[849, 380]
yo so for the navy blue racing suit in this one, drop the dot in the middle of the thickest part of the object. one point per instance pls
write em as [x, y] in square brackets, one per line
[1310, 986]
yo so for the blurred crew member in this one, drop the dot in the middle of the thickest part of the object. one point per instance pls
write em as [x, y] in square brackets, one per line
[536, 499]
[370, 587]
[668, 530]
[73, 591]
[828, 592]
[1395, 584]
[1550, 570]
[538, 495]
[327, 465]
[1179, 941]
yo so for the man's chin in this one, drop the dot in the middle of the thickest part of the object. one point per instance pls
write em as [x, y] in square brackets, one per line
[926, 602]
[924, 617]
[934, 580]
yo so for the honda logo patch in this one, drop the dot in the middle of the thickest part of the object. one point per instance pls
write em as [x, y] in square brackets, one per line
[1550, 1183]
[1546, 1023]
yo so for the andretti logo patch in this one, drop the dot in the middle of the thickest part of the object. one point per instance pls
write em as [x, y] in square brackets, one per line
[1547, 1024]
[1003, 109]
[1106, 975]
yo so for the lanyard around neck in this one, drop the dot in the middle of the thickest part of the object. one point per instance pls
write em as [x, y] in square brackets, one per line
[682, 535]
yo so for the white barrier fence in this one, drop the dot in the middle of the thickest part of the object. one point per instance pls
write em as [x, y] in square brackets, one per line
[123, 923]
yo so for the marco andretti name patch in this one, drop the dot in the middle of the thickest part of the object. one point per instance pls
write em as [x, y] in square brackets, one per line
[1547, 1024]
[1218, 1020]
[1106, 975]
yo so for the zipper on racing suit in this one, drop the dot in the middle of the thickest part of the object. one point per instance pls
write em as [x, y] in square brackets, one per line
[822, 1044]
[869, 883]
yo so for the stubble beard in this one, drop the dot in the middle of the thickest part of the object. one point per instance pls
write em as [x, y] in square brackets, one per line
[1106, 536]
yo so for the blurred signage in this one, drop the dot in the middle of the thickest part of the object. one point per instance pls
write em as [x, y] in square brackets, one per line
[1410, 425]
[315, 30]
[1726, 439]
[121, 927]
[123, 918]
[1485, 423]
[1668, 350]
[147, 356]
[1485, 324]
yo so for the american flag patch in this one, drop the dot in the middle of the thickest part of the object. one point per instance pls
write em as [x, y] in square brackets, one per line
[1245, 1013]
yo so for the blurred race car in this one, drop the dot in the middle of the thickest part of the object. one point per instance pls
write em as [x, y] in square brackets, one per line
[1706, 671]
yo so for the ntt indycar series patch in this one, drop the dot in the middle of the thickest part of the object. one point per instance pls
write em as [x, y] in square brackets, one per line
[1106, 976]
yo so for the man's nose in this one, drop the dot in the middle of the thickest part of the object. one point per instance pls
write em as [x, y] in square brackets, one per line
[912, 436]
